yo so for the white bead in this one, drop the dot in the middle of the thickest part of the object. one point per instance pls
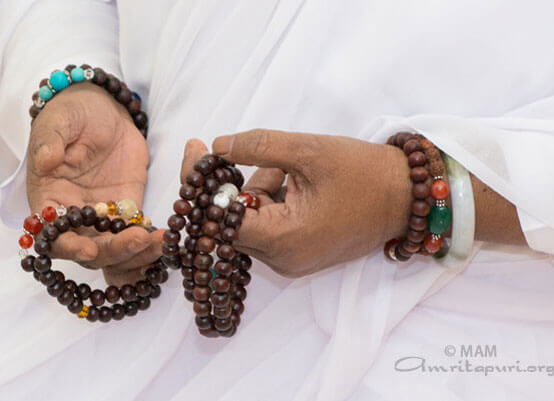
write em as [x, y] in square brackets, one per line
[231, 190]
[128, 208]
[23, 253]
[222, 200]
[89, 74]
[61, 210]
[146, 222]
[101, 209]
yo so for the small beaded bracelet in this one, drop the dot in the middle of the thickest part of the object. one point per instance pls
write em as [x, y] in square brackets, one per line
[215, 274]
[430, 216]
[44, 228]
[71, 74]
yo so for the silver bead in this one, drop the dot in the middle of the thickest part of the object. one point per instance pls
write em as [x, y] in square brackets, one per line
[438, 177]
[38, 102]
[89, 74]
[61, 210]
[68, 75]
[440, 203]
[436, 236]
[23, 253]
[50, 86]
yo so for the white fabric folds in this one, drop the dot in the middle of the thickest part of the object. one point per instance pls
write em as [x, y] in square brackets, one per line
[472, 76]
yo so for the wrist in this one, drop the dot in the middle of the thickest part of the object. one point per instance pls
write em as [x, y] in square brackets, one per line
[398, 190]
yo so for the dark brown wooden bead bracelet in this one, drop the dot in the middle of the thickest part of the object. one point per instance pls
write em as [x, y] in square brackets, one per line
[45, 228]
[60, 80]
[215, 275]
[429, 191]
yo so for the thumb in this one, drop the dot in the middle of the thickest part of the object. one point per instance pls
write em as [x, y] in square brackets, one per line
[265, 148]
[194, 150]
[52, 131]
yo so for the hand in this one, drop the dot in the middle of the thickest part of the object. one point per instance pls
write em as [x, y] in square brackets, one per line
[84, 149]
[343, 197]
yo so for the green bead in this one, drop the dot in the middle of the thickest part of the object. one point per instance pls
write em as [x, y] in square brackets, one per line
[439, 219]
[59, 81]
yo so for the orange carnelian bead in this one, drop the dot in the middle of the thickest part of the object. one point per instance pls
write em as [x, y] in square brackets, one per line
[255, 202]
[439, 189]
[245, 198]
[112, 208]
[432, 243]
[49, 214]
[33, 225]
[25, 241]
[84, 312]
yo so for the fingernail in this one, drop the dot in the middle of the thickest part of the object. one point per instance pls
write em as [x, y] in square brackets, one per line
[223, 145]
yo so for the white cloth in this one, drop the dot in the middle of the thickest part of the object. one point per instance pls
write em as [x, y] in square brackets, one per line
[473, 77]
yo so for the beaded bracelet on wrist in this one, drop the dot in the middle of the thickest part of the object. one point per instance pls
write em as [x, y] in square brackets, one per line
[215, 274]
[71, 74]
[43, 229]
[430, 217]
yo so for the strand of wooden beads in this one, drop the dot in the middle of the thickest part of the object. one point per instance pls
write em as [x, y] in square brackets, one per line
[430, 217]
[43, 229]
[215, 274]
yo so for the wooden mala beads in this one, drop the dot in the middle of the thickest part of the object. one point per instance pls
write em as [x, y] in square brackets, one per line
[43, 229]
[215, 275]
[430, 217]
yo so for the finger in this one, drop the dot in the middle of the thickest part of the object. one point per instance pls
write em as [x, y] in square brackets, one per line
[266, 180]
[120, 278]
[194, 150]
[264, 148]
[143, 258]
[264, 228]
[73, 246]
[118, 248]
[51, 133]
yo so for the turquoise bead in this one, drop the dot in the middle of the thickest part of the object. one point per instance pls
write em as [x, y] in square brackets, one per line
[214, 274]
[59, 80]
[439, 219]
[77, 74]
[45, 93]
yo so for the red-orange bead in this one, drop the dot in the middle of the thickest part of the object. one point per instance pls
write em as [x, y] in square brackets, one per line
[432, 244]
[245, 198]
[25, 241]
[255, 202]
[33, 225]
[49, 214]
[439, 189]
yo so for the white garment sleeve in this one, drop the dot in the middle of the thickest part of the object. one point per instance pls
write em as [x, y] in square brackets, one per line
[36, 38]
[511, 154]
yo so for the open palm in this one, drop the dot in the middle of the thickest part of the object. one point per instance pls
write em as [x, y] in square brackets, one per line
[85, 149]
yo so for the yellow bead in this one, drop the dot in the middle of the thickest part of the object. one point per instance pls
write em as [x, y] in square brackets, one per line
[83, 313]
[128, 209]
[139, 217]
[146, 222]
[112, 208]
[101, 209]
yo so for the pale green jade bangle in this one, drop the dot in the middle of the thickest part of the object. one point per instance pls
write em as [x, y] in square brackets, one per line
[463, 214]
